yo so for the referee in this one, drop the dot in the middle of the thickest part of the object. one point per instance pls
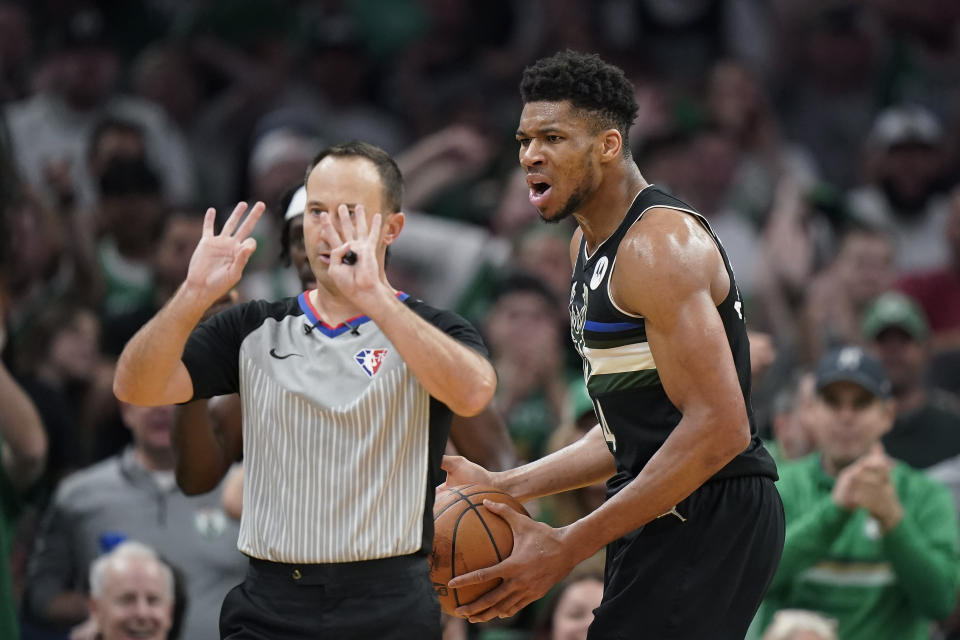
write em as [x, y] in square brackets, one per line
[347, 393]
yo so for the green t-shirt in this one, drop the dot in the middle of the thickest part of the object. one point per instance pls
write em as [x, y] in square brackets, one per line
[840, 564]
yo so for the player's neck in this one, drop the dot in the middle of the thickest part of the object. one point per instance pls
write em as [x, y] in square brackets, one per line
[604, 212]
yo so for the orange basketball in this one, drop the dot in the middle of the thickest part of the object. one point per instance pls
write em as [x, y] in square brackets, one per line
[467, 537]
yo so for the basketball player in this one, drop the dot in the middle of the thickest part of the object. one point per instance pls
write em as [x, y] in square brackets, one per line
[347, 392]
[692, 522]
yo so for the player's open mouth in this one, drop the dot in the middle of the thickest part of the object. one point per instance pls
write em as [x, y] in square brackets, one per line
[324, 258]
[539, 190]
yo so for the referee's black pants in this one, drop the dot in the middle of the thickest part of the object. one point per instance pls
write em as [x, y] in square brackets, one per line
[389, 599]
[696, 579]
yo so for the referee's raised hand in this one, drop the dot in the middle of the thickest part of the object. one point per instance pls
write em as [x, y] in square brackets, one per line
[218, 261]
[358, 232]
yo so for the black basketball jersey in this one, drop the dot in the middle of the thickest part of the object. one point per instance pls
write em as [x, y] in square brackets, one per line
[621, 376]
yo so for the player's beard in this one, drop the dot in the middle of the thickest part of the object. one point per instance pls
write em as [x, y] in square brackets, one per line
[573, 203]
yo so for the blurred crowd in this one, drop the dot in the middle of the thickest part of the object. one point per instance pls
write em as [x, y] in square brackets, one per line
[820, 138]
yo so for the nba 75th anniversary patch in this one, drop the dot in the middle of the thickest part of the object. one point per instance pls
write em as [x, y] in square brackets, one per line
[370, 360]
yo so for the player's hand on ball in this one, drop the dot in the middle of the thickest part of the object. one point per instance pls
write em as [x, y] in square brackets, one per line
[539, 560]
[461, 471]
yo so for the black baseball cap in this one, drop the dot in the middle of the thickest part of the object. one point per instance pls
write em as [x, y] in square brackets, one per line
[853, 364]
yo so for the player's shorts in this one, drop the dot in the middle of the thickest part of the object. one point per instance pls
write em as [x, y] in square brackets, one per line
[700, 578]
[391, 598]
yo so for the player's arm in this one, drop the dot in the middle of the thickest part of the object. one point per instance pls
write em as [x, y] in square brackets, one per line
[207, 440]
[670, 271]
[149, 370]
[579, 464]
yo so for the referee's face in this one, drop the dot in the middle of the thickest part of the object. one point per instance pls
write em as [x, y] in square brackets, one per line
[351, 181]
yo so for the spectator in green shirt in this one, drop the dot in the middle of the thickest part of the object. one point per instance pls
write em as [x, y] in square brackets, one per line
[870, 542]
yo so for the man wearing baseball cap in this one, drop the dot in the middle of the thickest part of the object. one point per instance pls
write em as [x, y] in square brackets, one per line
[870, 542]
[926, 429]
[906, 173]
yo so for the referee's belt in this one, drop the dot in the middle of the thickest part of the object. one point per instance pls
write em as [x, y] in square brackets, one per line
[334, 572]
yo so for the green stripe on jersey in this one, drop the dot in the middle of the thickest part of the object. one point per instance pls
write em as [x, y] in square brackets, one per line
[619, 381]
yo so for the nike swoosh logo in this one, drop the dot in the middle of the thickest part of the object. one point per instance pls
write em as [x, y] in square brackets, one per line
[273, 352]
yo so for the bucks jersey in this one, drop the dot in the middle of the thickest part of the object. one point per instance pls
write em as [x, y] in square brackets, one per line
[621, 375]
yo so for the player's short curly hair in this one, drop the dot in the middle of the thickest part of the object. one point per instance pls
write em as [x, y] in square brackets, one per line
[589, 83]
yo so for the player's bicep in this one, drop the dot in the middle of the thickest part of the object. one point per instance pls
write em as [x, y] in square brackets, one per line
[689, 345]
[671, 273]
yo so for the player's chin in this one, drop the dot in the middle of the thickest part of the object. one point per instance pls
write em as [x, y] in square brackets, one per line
[549, 215]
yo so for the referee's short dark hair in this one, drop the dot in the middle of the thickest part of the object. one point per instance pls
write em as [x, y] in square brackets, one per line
[389, 172]
[590, 84]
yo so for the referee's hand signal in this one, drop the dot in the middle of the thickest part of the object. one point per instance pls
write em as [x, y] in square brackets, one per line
[218, 261]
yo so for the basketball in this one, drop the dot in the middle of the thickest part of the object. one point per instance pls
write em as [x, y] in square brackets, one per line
[467, 537]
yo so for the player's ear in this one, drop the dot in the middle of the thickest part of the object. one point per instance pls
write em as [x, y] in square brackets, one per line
[611, 145]
[392, 225]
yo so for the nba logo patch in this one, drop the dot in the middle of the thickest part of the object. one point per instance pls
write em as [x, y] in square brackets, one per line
[370, 360]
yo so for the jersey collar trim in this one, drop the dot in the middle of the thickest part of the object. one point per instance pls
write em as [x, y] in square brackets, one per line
[349, 325]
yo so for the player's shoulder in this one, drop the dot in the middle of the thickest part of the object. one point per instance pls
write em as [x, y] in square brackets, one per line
[668, 247]
[668, 228]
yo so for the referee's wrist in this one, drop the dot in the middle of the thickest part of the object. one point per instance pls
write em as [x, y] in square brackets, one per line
[381, 304]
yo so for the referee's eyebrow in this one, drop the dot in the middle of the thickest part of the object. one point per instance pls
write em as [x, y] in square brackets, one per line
[351, 206]
[319, 203]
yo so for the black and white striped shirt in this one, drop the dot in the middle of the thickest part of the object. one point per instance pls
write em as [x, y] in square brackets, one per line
[341, 443]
